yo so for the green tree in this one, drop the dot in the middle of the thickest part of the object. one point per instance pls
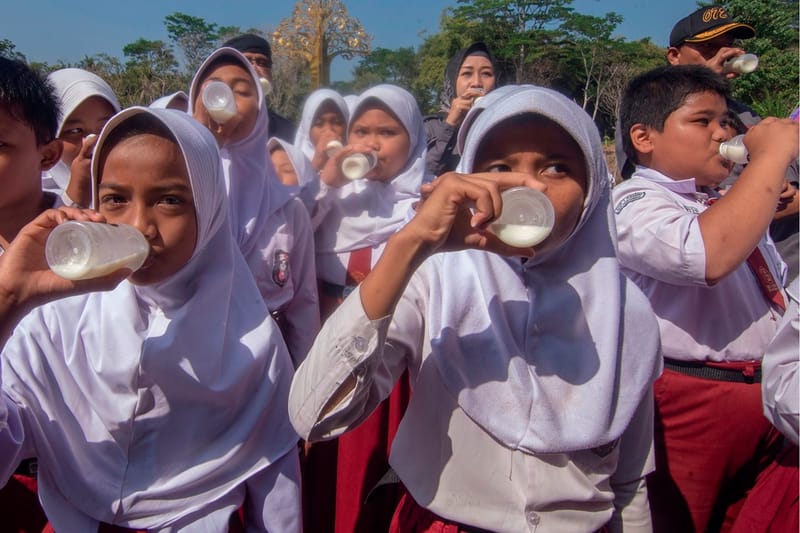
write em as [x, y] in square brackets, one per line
[513, 29]
[591, 46]
[627, 59]
[195, 37]
[432, 57]
[383, 65]
[151, 71]
[291, 83]
[772, 89]
[9, 50]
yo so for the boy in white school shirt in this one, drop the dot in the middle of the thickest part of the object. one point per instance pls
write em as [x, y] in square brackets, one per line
[714, 280]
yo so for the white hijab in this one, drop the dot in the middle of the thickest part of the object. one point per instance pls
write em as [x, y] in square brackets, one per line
[147, 404]
[302, 165]
[555, 354]
[73, 86]
[365, 213]
[165, 101]
[302, 138]
[253, 186]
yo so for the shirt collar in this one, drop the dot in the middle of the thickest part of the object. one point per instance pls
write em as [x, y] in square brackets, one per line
[687, 186]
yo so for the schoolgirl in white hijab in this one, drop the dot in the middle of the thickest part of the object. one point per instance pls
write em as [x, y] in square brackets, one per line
[301, 165]
[73, 87]
[364, 213]
[272, 229]
[532, 404]
[158, 406]
[311, 108]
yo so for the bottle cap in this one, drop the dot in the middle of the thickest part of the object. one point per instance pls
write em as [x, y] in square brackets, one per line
[332, 147]
[219, 102]
[356, 166]
[743, 64]
[527, 217]
[735, 150]
[266, 86]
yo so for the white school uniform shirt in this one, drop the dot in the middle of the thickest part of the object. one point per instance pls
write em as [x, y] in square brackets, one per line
[661, 250]
[531, 407]
[272, 228]
[365, 213]
[780, 378]
[72, 86]
[156, 407]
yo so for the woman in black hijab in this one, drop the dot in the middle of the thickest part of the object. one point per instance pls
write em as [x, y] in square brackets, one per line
[469, 75]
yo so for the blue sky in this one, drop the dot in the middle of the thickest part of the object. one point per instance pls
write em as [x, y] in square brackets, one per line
[49, 30]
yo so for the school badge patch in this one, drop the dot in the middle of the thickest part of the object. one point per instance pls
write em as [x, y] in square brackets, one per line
[626, 201]
[280, 268]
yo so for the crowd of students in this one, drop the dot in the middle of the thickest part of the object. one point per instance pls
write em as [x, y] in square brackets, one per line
[301, 351]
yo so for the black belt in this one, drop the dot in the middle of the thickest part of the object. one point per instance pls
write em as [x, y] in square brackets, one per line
[27, 467]
[336, 291]
[701, 370]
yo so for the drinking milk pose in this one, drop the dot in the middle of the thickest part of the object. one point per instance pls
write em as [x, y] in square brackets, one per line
[159, 404]
[531, 367]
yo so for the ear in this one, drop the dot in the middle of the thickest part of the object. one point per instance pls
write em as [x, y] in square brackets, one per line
[673, 55]
[51, 153]
[641, 138]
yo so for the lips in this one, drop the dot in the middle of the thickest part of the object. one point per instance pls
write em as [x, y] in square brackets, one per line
[147, 262]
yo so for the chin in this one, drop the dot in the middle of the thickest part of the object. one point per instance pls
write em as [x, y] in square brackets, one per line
[145, 277]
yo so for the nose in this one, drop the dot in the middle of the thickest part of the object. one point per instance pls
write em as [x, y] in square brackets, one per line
[373, 141]
[722, 133]
[475, 80]
[141, 218]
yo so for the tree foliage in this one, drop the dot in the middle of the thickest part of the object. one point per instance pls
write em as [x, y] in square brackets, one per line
[772, 89]
[9, 50]
[195, 37]
[545, 42]
[514, 29]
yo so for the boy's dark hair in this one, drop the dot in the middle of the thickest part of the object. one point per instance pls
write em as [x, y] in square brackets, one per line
[29, 98]
[651, 97]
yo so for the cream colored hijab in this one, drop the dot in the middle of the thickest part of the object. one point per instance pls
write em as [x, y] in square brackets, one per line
[149, 403]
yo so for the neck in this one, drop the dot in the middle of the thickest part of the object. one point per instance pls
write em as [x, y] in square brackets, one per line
[20, 213]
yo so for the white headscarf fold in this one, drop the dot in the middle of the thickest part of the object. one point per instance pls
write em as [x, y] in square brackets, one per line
[302, 165]
[74, 86]
[165, 101]
[302, 138]
[555, 354]
[365, 213]
[149, 403]
[253, 186]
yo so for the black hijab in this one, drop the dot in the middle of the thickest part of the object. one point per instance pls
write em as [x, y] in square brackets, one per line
[454, 65]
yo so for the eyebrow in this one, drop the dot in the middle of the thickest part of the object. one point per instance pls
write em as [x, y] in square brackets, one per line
[171, 185]
[707, 112]
[247, 80]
